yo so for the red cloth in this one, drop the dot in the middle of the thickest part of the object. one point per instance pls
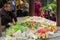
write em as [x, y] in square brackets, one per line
[37, 8]
[44, 15]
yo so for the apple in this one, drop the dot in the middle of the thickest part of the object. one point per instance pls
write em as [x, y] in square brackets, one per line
[42, 31]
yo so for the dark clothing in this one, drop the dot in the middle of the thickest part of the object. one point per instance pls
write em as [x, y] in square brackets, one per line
[2, 2]
[7, 17]
[53, 17]
[25, 13]
[19, 13]
[47, 16]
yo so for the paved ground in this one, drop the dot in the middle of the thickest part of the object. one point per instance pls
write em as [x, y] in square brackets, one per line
[21, 18]
[56, 36]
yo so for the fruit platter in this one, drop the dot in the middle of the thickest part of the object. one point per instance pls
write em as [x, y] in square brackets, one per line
[36, 26]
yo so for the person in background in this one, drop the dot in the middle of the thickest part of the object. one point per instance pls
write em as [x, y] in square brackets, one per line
[51, 15]
[25, 7]
[38, 5]
[19, 8]
[19, 11]
[43, 14]
[2, 2]
[7, 16]
[46, 12]
[13, 6]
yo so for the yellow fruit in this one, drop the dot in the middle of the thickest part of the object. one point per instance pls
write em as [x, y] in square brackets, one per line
[40, 27]
[9, 39]
[49, 27]
[43, 36]
[9, 32]
[33, 28]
